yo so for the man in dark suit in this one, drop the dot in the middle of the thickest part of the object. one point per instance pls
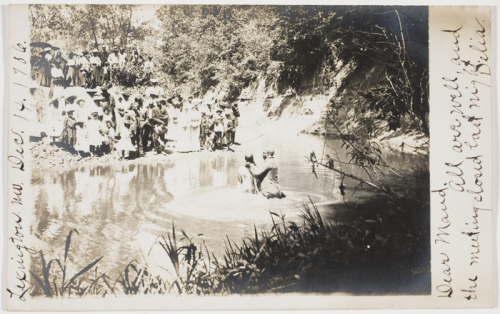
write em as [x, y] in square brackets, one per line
[133, 122]
[151, 116]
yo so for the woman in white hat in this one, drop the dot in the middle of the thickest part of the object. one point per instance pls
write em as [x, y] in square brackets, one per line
[174, 111]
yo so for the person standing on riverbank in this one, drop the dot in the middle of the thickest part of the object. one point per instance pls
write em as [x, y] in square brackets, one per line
[124, 134]
[57, 80]
[44, 78]
[71, 75]
[95, 62]
[204, 130]
[228, 129]
[132, 121]
[95, 134]
[162, 129]
[194, 137]
[114, 63]
[218, 129]
[68, 136]
[103, 55]
[151, 116]
[235, 115]
[175, 107]
[184, 137]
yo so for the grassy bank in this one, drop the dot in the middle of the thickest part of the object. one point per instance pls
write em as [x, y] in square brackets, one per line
[369, 252]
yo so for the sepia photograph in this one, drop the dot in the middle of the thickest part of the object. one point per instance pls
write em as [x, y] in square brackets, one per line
[201, 151]
[213, 150]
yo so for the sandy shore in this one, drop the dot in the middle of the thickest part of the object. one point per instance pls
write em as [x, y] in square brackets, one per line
[45, 155]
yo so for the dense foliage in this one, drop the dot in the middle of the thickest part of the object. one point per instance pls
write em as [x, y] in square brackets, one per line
[382, 52]
[85, 27]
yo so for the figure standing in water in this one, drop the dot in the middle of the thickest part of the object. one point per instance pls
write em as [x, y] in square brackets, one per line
[269, 185]
[249, 175]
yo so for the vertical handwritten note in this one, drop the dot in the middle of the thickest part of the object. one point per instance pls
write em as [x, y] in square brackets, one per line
[461, 156]
[18, 170]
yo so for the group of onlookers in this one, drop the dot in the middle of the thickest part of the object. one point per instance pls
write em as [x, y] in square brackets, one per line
[149, 122]
[86, 69]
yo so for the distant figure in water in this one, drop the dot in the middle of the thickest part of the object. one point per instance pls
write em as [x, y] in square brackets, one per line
[269, 185]
[249, 175]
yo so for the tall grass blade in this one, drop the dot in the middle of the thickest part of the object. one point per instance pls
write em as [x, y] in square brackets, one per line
[83, 271]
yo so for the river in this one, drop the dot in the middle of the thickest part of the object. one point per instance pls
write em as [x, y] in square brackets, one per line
[120, 209]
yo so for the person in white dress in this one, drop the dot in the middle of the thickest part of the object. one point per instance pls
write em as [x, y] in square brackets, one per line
[124, 136]
[174, 111]
[195, 129]
[82, 142]
[184, 131]
[95, 133]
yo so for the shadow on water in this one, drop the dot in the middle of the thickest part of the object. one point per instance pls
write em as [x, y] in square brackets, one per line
[119, 209]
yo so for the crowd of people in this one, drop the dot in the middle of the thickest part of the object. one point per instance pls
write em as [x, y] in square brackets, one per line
[131, 126]
[149, 122]
[87, 69]
[134, 125]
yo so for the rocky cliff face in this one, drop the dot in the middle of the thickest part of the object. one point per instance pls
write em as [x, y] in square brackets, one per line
[307, 111]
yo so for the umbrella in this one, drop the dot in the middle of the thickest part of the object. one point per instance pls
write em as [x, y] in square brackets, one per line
[70, 107]
[56, 44]
[40, 44]
[70, 99]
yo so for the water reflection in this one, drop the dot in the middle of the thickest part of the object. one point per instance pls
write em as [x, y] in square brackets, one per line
[120, 209]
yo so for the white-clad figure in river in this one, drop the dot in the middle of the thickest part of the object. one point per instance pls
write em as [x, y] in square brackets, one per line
[249, 175]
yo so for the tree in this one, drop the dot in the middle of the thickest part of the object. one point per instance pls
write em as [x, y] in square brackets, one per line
[90, 25]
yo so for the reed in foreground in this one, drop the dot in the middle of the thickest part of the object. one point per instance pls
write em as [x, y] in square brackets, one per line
[313, 256]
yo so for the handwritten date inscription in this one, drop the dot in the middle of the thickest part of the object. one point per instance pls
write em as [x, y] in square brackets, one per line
[16, 158]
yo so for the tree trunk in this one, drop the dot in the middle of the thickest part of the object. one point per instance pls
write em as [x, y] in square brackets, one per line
[93, 28]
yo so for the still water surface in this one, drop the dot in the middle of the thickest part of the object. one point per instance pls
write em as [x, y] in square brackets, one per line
[119, 209]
